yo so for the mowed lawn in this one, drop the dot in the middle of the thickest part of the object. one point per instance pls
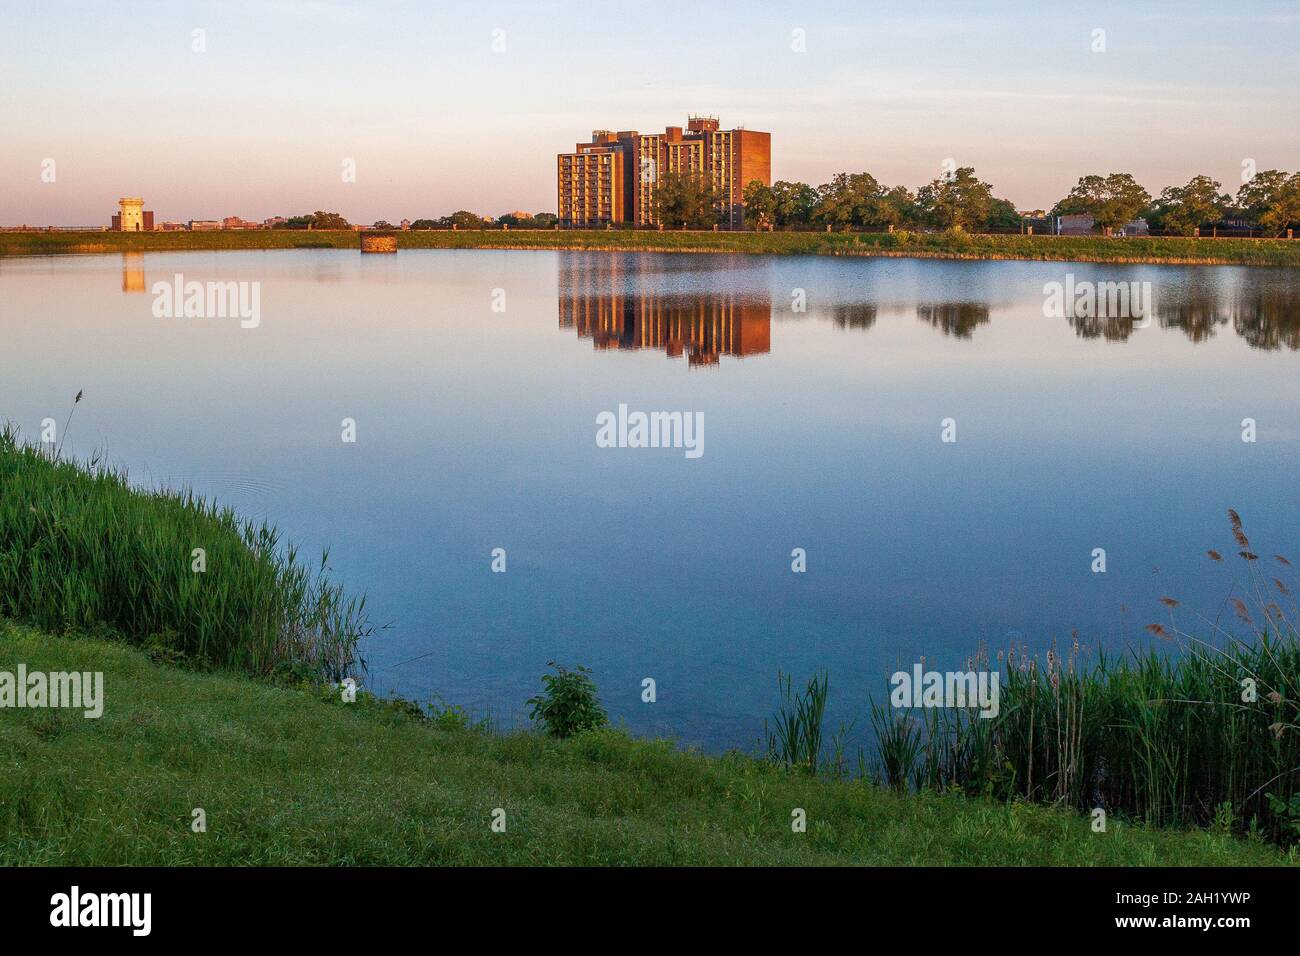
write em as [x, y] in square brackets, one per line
[289, 776]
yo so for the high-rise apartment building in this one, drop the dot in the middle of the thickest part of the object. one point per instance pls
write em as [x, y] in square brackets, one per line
[636, 162]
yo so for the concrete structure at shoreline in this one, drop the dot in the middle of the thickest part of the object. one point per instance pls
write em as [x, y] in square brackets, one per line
[612, 179]
[132, 216]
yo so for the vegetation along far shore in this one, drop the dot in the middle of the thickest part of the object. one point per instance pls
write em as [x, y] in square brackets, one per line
[947, 244]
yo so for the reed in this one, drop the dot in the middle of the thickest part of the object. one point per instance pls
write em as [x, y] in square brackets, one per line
[1206, 731]
[794, 738]
[82, 551]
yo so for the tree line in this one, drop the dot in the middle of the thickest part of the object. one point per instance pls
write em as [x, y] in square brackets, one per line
[1269, 202]
[460, 219]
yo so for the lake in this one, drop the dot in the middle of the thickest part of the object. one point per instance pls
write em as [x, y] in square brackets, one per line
[825, 388]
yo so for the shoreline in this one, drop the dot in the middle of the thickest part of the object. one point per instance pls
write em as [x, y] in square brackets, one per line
[1281, 253]
[1148, 730]
[372, 783]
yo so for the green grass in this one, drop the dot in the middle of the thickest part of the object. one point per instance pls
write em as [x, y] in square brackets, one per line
[82, 550]
[1276, 252]
[286, 776]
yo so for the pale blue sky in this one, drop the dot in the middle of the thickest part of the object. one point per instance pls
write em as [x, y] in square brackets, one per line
[261, 122]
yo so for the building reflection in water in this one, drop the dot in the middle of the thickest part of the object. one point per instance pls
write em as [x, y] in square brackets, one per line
[133, 272]
[621, 303]
[617, 309]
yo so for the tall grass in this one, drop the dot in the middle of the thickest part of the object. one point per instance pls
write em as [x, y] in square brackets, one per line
[1204, 734]
[794, 737]
[80, 550]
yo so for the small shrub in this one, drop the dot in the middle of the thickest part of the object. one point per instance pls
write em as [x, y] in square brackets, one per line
[568, 704]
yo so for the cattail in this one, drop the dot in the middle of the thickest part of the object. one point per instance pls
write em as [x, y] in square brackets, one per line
[1249, 555]
[1168, 602]
[1241, 611]
[1274, 696]
[1281, 560]
[1159, 631]
[1214, 555]
[1241, 537]
[1234, 519]
[1280, 586]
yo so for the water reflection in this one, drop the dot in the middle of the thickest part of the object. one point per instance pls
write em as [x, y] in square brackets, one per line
[958, 319]
[855, 315]
[620, 308]
[133, 272]
[1267, 318]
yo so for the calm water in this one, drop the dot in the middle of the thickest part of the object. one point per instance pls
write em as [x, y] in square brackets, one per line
[476, 430]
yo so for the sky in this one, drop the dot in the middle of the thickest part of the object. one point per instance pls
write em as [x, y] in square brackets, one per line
[447, 105]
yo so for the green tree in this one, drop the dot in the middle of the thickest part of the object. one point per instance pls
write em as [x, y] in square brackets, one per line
[1271, 200]
[1002, 215]
[795, 203]
[686, 199]
[1111, 200]
[956, 201]
[849, 200]
[463, 219]
[896, 207]
[1182, 209]
[760, 205]
[328, 220]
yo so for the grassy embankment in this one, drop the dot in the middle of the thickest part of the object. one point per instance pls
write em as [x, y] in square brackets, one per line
[198, 715]
[948, 245]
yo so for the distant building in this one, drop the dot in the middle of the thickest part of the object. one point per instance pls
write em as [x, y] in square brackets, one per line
[406, 225]
[273, 222]
[613, 178]
[1079, 224]
[205, 225]
[171, 227]
[1084, 225]
[132, 216]
[234, 222]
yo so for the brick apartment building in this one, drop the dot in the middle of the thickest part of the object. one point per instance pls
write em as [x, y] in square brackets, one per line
[611, 180]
